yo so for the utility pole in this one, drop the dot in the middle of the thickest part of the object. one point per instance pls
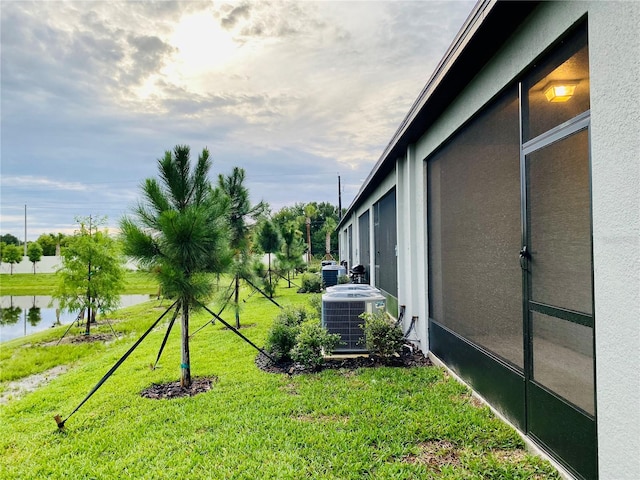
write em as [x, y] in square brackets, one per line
[339, 200]
[89, 309]
[25, 230]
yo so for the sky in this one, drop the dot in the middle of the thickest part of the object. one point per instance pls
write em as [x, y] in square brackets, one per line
[297, 93]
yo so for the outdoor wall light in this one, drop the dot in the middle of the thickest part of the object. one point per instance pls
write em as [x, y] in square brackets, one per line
[559, 91]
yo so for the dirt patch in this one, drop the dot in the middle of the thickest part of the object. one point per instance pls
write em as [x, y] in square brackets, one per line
[158, 391]
[511, 456]
[290, 389]
[436, 454]
[407, 359]
[18, 388]
[82, 338]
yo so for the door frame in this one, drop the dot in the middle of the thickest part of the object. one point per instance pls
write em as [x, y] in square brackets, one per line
[566, 426]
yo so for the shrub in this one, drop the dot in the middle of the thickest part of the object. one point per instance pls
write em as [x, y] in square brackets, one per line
[282, 335]
[297, 335]
[269, 286]
[315, 303]
[312, 340]
[342, 279]
[310, 283]
[382, 336]
[314, 267]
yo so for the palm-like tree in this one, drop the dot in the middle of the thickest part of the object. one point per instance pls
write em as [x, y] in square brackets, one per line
[310, 211]
[290, 254]
[180, 230]
[240, 210]
[270, 241]
[328, 228]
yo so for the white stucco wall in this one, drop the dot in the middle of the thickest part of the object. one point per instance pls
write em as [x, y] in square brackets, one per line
[614, 54]
[412, 246]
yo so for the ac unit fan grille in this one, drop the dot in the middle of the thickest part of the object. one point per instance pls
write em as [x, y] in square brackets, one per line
[344, 318]
[330, 277]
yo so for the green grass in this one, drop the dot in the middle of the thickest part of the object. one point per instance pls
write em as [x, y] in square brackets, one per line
[370, 423]
[46, 283]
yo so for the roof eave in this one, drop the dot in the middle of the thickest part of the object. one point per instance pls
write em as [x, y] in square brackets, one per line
[487, 27]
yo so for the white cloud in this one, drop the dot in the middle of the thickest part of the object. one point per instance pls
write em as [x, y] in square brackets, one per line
[94, 92]
[18, 181]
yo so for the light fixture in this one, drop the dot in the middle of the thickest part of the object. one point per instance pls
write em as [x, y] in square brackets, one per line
[559, 91]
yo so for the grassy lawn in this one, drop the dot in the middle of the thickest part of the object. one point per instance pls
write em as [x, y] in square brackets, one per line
[396, 423]
[45, 283]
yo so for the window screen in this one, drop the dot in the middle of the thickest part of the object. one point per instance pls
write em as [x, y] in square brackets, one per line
[385, 238]
[475, 281]
[364, 243]
[350, 243]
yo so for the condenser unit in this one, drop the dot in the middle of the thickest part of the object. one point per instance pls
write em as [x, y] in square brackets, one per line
[341, 312]
[352, 287]
[330, 274]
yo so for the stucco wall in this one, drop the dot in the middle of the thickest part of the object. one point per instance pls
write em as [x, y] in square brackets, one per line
[614, 51]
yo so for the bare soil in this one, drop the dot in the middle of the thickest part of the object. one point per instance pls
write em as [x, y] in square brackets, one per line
[82, 338]
[17, 388]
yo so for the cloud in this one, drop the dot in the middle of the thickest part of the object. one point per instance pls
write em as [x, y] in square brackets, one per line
[237, 13]
[31, 182]
[94, 92]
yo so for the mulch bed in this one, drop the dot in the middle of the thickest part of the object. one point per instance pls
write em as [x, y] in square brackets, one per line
[81, 338]
[158, 391]
[408, 358]
[94, 337]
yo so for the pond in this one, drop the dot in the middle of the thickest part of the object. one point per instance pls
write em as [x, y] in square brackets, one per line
[24, 315]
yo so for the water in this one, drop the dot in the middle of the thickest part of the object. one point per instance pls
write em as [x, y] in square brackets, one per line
[24, 315]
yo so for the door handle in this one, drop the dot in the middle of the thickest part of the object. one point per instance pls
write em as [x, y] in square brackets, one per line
[524, 256]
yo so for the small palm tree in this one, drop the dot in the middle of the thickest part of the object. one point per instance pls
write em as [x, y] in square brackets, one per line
[270, 241]
[310, 211]
[328, 228]
[240, 211]
[180, 231]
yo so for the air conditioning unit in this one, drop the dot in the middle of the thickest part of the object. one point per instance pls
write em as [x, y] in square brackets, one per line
[352, 287]
[341, 312]
[330, 274]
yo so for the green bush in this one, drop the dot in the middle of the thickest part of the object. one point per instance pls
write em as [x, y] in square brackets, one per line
[310, 283]
[342, 279]
[296, 335]
[382, 336]
[312, 340]
[315, 303]
[282, 335]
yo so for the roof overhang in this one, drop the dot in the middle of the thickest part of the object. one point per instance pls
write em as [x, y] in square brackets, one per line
[488, 27]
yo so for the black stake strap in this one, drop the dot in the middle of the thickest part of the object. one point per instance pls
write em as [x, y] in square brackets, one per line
[263, 294]
[219, 313]
[114, 368]
[166, 336]
[237, 332]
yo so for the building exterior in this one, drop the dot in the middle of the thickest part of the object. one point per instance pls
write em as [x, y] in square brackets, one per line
[503, 222]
